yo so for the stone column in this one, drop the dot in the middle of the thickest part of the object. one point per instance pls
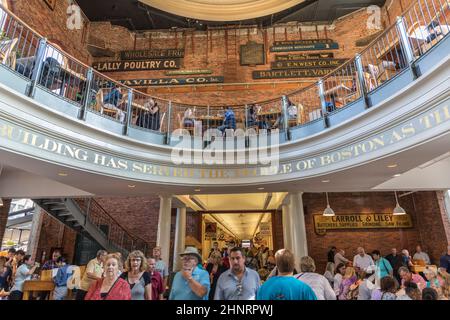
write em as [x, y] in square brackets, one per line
[163, 236]
[287, 238]
[180, 237]
[298, 228]
[4, 211]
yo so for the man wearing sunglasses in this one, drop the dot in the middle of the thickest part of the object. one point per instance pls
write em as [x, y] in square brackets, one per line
[239, 282]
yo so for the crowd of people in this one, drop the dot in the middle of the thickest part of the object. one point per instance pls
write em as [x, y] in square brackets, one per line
[235, 273]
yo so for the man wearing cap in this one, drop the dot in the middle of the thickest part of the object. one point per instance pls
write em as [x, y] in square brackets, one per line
[191, 283]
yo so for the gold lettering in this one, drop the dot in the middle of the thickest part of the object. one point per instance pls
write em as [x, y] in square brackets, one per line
[137, 167]
[99, 159]
[408, 130]
[425, 120]
[123, 164]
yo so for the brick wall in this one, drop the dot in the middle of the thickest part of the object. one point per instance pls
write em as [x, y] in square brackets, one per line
[55, 235]
[53, 25]
[423, 207]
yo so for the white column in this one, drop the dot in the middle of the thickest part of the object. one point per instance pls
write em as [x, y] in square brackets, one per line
[298, 228]
[163, 236]
[180, 237]
[287, 239]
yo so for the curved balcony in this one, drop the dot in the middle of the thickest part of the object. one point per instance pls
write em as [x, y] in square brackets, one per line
[391, 98]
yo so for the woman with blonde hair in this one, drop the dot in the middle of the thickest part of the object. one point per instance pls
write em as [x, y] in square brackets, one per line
[433, 279]
[111, 287]
[348, 280]
[137, 276]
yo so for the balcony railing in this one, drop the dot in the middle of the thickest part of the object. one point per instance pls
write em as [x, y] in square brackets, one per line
[422, 26]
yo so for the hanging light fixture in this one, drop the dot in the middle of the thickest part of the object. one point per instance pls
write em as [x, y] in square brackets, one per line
[1, 202]
[398, 211]
[328, 212]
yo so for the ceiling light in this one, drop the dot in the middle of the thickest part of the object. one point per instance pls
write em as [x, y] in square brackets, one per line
[397, 175]
[261, 188]
[328, 212]
[131, 186]
[197, 190]
[394, 165]
[1, 202]
[325, 181]
[63, 174]
[398, 211]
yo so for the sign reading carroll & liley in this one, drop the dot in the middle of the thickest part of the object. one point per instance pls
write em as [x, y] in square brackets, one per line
[361, 221]
[158, 64]
[171, 81]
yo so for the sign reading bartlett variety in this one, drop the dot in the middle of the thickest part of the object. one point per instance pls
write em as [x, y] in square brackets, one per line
[306, 64]
[304, 45]
[171, 81]
[151, 54]
[304, 56]
[158, 64]
[361, 221]
[252, 54]
[296, 73]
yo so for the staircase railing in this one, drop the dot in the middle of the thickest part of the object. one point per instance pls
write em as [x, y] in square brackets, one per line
[116, 234]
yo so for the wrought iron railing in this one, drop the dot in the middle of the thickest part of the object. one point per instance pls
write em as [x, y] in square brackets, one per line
[116, 234]
[423, 25]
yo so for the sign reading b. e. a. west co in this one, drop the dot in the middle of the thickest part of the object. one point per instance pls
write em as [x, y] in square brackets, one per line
[157, 64]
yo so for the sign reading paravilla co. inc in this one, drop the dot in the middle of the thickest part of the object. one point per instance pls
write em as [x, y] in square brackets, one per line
[361, 221]
[157, 64]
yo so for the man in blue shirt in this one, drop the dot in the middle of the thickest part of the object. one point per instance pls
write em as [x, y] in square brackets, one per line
[191, 283]
[284, 286]
[229, 122]
[444, 261]
[239, 282]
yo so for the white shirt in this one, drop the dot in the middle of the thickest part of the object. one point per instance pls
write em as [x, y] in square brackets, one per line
[362, 262]
[319, 284]
[337, 283]
[339, 258]
[422, 256]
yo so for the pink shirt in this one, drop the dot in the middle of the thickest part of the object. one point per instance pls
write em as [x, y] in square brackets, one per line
[417, 279]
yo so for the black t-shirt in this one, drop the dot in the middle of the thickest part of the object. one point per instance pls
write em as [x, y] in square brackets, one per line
[145, 276]
[445, 262]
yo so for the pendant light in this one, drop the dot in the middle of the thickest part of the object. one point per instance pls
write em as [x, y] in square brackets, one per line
[398, 211]
[328, 212]
[1, 202]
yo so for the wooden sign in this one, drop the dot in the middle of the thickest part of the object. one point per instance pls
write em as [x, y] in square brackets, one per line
[296, 73]
[303, 42]
[188, 72]
[304, 56]
[361, 221]
[151, 54]
[307, 64]
[159, 64]
[252, 54]
[300, 46]
[171, 81]
[210, 229]
[51, 4]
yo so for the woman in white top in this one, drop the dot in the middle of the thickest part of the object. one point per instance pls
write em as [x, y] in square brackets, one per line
[23, 273]
[340, 271]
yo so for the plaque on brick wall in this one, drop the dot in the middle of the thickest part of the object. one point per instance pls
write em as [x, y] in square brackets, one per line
[295, 73]
[171, 81]
[307, 64]
[304, 45]
[252, 53]
[157, 64]
[151, 54]
[304, 56]
[361, 221]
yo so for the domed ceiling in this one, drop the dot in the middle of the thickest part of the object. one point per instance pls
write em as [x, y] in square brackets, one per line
[222, 10]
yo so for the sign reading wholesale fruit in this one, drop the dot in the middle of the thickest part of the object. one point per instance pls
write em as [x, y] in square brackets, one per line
[304, 45]
[171, 81]
[361, 221]
[304, 56]
[307, 64]
[301, 73]
[151, 54]
[158, 64]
